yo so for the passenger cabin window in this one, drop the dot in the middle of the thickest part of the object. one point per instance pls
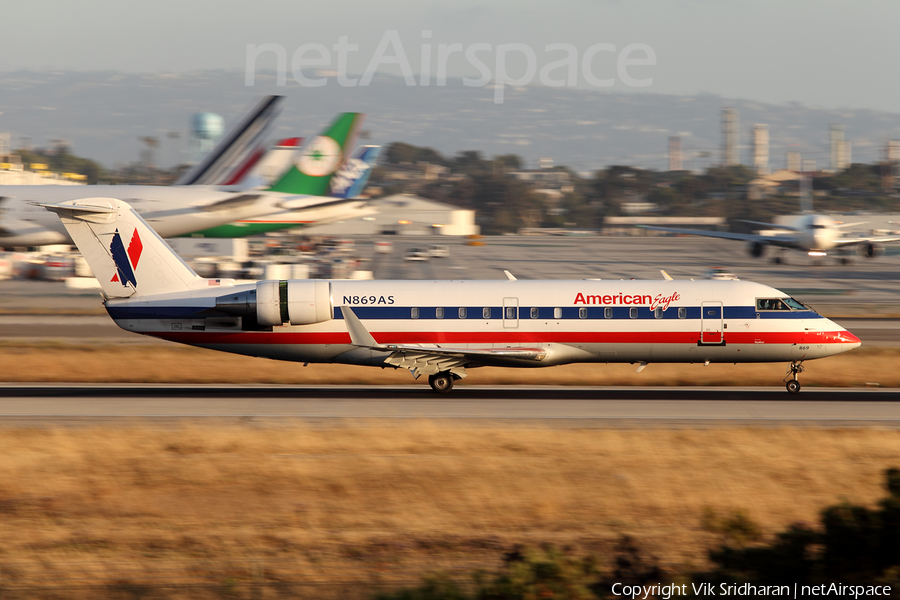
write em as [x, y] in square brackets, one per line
[462, 312]
[486, 312]
[557, 313]
[771, 304]
[607, 313]
[658, 313]
[439, 312]
[582, 312]
[682, 313]
[633, 312]
[510, 312]
[414, 313]
[534, 312]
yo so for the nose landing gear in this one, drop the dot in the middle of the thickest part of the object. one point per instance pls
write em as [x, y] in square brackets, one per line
[793, 384]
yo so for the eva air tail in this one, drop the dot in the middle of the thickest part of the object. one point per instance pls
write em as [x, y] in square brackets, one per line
[125, 254]
[321, 157]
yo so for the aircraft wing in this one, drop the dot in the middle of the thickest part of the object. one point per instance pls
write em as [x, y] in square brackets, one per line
[298, 203]
[428, 360]
[769, 225]
[238, 143]
[782, 241]
[865, 240]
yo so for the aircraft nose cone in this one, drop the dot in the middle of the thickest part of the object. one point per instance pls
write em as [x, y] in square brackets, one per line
[845, 337]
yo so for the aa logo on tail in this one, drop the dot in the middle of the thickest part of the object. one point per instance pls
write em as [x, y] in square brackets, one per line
[126, 261]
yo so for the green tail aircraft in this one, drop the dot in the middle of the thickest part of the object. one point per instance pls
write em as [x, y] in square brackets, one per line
[310, 175]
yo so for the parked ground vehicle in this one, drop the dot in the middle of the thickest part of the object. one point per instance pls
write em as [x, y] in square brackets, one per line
[439, 251]
[416, 254]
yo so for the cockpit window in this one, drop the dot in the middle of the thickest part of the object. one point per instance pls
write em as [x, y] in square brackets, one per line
[794, 304]
[779, 304]
[817, 226]
[771, 304]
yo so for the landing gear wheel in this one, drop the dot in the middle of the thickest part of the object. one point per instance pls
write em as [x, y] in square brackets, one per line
[793, 384]
[441, 382]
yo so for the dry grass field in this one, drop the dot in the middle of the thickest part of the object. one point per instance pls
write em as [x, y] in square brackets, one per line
[137, 363]
[383, 505]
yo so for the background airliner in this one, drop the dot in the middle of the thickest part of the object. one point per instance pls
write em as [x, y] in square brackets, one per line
[441, 328]
[182, 210]
[816, 235]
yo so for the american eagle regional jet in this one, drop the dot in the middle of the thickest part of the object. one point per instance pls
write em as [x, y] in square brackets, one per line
[441, 329]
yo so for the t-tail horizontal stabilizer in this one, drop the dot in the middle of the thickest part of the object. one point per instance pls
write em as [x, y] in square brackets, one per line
[125, 254]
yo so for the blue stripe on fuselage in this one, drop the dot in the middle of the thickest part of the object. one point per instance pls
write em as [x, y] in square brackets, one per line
[472, 312]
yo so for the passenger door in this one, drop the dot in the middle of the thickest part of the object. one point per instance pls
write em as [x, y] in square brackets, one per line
[712, 323]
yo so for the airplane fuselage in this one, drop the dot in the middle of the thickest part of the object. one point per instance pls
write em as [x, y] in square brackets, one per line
[565, 321]
[171, 210]
[817, 233]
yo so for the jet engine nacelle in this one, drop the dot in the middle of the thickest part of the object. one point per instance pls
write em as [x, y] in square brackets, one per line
[869, 250]
[756, 249]
[274, 303]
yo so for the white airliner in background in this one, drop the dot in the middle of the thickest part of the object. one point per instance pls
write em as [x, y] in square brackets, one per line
[441, 328]
[182, 210]
[815, 235]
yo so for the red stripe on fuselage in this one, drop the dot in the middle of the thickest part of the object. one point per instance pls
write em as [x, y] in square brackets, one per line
[505, 337]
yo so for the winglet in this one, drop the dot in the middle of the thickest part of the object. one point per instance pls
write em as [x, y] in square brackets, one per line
[509, 275]
[359, 335]
[665, 275]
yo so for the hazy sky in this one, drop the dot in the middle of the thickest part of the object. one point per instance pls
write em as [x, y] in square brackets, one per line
[825, 53]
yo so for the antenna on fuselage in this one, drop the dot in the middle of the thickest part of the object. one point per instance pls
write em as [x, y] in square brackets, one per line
[509, 275]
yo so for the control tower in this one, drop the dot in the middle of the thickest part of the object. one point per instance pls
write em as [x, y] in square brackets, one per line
[206, 130]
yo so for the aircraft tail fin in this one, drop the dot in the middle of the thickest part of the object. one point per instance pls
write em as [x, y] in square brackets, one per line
[321, 158]
[352, 177]
[240, 141]
[126, 255]
[806, 194]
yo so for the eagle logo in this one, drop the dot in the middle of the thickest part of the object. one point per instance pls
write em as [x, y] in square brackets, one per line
[126, 260]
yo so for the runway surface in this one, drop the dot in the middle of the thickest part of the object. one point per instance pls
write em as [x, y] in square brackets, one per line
[482, 406]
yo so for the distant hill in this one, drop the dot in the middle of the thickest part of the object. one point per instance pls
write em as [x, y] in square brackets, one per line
[102, 114]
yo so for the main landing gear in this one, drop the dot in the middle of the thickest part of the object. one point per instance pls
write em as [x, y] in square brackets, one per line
[441, 382]
[793, 384]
